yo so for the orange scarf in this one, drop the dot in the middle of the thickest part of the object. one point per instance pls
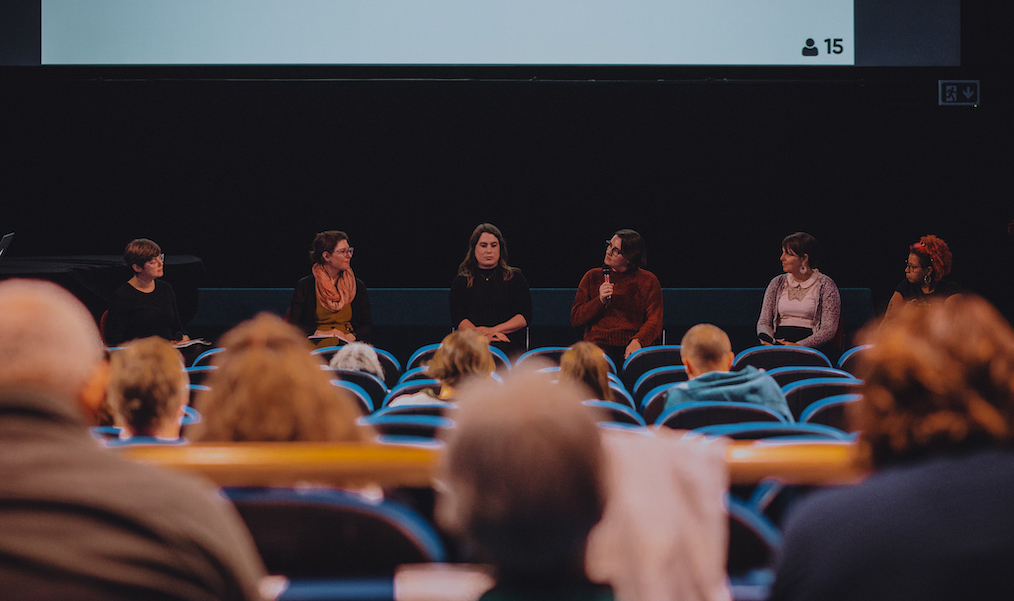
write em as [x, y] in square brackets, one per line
[334, 293]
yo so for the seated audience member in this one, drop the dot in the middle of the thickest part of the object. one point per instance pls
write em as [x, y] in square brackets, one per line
[619, 305]
[707, 355]
[585, 364]
[148, 389]
[78, 521]
[933, 520]
[143, 306]
[802, 306]
[269, 388]
[358, 356]
[929, 262]
[463, 355]
[525, 484]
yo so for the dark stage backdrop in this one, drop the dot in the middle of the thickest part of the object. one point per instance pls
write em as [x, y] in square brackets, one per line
[713, 172]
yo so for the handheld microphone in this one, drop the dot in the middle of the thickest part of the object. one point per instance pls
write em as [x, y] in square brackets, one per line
[605, 276]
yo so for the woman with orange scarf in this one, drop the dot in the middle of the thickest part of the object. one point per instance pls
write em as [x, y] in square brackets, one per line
[331, 302]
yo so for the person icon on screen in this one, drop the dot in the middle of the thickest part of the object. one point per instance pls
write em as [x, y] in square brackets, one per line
[810, 49]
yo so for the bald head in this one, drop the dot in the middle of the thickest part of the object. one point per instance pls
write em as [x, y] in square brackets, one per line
[706, 348]
[48, 340]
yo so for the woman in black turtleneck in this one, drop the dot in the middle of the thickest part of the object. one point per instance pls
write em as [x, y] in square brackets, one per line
[490, 296]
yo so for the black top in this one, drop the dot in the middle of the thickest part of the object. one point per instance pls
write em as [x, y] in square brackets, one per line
[490, 301]
[303, 308]
[135, 314]
[913, 292]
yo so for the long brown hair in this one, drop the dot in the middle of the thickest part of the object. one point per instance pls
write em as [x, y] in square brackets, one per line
[585, 364]
[470, 265]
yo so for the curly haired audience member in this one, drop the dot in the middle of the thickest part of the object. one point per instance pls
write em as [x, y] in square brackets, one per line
[463, 355]
[358, 356]
[585, 364]
[525, 483]
[77, 520]
[929, 262]
[934, 519]
[148, 389]
[268, 388]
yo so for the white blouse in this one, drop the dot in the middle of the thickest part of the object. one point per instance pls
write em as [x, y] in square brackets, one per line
[798, 303]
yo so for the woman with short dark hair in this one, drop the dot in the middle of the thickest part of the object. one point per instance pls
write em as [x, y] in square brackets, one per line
[802, 306]
[144, 305]
[331, 302]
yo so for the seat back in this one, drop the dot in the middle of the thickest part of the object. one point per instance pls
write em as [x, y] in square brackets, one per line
[422, 355]
[753, 539]
[411, 387]
[205, 357]
[620, 395]
[416, 373]
[804, 393]
[653, 403]
[832, 411]
[790, 374]
[427, 426]
[616, 412]
[655, 377]
[199, 374]
[847, 361]
[697, 414]
[434, 408]
[647, 358]
[358, 393]
[391, 365]
[323, 533]
[766, 429]
[374, 386]
[551, 354]
[326, 352]
[770, 357]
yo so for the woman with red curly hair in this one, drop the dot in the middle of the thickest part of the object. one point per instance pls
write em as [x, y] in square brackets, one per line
[929, 261]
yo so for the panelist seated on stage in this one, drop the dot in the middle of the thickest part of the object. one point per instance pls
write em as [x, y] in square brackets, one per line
[78, 521]
[143, 306]
[490, 296]
[619, 305]
[331, 302]
[148, 390]
[707, 354]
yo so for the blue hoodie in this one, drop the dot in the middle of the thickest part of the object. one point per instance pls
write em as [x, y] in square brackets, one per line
[749, 385]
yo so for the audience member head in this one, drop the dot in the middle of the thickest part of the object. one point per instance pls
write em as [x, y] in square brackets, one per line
[803, 245]
[486, 250]
[268, 387]
[632, 248]
[139, 252]
[586, 365]
[933, 257]
[358, 356]
[50, 343]
[524, 473]
[148, 387]
[463, 354]
[706, 348]
[324, 242]
[938, 378]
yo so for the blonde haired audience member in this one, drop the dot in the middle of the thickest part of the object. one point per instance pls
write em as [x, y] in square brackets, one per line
[78, 521]
[585, 363]
[358, 356]
[463, 355]
[933, 520]
[268, 387]
[148, 388]
[524, 470]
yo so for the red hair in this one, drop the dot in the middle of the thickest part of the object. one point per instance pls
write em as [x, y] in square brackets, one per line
[933, 251]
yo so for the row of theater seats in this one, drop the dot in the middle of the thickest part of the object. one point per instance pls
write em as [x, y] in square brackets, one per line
[817, 393]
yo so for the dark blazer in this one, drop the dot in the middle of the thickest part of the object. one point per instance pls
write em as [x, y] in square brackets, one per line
[303, 308]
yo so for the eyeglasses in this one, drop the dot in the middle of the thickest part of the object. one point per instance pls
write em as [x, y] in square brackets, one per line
[160, 258]
[612, 250]
[347, 252]
[910, 266]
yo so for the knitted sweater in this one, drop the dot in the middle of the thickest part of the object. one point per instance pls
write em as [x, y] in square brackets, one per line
[825, 319]
[635, 310]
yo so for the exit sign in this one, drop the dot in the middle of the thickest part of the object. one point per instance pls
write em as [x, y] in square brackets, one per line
[959, 92]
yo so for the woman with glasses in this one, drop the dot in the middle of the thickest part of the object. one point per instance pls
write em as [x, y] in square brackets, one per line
[143, 306]
[929, 261]
[331, 302]
[620, 304]
[802, 306]
[488, 295]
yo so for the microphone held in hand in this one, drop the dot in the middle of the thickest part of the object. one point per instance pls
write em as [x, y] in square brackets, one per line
[605, 277]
